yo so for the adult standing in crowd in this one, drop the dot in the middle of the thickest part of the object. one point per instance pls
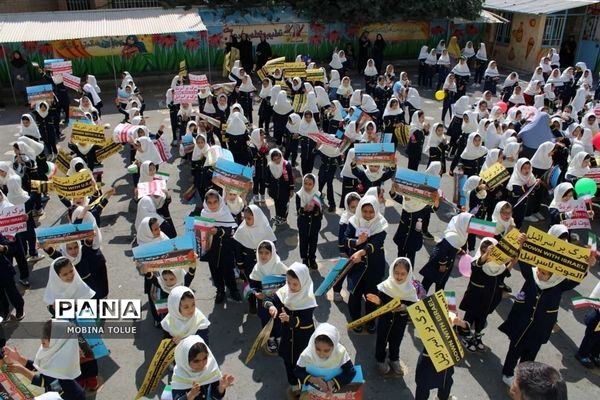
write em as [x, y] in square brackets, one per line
[19, 74]
[378, 49]
[364, 47]
[246, 58]
[263, 52]
[536, 380]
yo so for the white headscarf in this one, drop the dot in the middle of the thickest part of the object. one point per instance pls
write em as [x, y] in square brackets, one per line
[368, 104]
[370, 70]
[450, 86]
[517, 99]
[491, 71]
[405, 290]
[345, 89]
[537, 75]
[559, 193]
[461, 69]
[424, 53]
[176, 324]
[200, 152]
[502, 226]
[431, 58]
[472, 152]
[305, 297]
[235, 124]
[490, 159]
[60, 360]
[377, 224]
[74, 260]
[275, 90]
[57, 289]
[481, 53]
[272, 267]
[276, 169]
[308, 197]
[433, 140]
[511, 150]
[555, 279]
[32, 130]
[389, 111]
[144, 231]
[575, 165]
[322, 97]
[444, 59]
[183, 375]
[37, 147]
[541, 159]
[338, 357]
[461, 105]
[222, 216]
[579, 100]
[586, 79]
[335, 61]
[518, 179]
[282, 105]
[346, 171]
[334, 78]
[251, 236]
[148, 152]
[510, 81]
[456, 232]
[179, 279]
[16, 195]
[468, 51]
[346, 214]
[146, 208]
[413, 97]
[306, 127]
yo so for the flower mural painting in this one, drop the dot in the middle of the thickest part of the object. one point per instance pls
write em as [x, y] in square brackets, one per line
[334, 36]
[215, 40]
[203, 34]
[352, 30]
[314, 40]
[317, 28]
[472, 30]
[437, 30]
[30, 46]
[46, 49]
[191, 44]
[168, 41]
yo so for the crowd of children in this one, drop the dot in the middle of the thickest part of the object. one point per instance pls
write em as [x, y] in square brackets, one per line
[528, 129]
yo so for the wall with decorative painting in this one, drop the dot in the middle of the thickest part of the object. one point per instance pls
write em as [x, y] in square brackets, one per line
[524, 50]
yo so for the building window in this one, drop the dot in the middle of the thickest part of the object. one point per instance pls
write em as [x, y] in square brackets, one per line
[134, 3]
[554, 30]
[74, 5]
[503, 30]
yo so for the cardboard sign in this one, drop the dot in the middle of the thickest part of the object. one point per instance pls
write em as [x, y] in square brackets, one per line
[325, 139]
[270, 66]
[164, 356]
[107, 149]
[64, 233]
[315, 75]
[200, 81]
[79, 185]
[13, 220]
[182, 69]
[351, 391]
[167, 254]
[123, 96]
[331, 277]
[495, 175]
[233, 177]
[418, 185]
[294, 70]
[61, 67]
[552, 254]
[298, 102]
[72, 81]
[375, 153]
[394, 303]
[271, 283]
[185, 94]
[155, 188]
[39, 93]
[125, 133]
[14, 387]
[77, 115]
[507, 248]
[51, 61]
[63, 161]
[87, 133]
[579, 216]
[430, 318]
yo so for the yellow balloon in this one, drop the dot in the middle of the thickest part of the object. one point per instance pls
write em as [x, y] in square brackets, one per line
[439, 95]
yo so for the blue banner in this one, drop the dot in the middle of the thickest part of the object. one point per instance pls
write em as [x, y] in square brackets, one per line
[331, 277]
[153, 249]
[64, 233]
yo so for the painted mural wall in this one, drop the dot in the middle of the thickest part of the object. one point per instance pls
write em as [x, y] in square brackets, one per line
[524, 50]
[288, 35]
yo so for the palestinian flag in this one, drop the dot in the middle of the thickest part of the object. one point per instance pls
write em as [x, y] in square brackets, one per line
[480, 227]
[451, 300]
[584, 302]
[593, 243]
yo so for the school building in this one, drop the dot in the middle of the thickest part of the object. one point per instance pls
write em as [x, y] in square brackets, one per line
[535, 26]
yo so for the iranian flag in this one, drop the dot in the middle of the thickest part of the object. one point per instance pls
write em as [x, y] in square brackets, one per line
[593, 243]
[583, 302]
[161, 175]
[316, 200]
[161, 306]
[202, 225]
[451, 300]
[482, 227]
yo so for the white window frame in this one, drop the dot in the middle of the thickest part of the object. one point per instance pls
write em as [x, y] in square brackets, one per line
[503, 31]
[134, 3]
[554, 29]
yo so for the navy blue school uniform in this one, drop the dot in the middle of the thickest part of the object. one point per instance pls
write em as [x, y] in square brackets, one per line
[442, 255]
[381, 95]
[531, 319]
[340, 380]
[221, 259]
[472, 167]
[8, 288]
[265, 111]
[279, 126]
[366, 182]
[262, 312]
[427, 379]
[590, 345]
[167, 227]
[407, 238]
[207, 392]
[68, 389]
[198, 175]
[259, 161]
[364, 277]
[309, 225]
[490, 83]
[438, 153]
[414, 149]
[173, 118]
[349, 185]
[279, 189]
[513, 198]
[482, 296]
[47, 131]
[454, 132]
[389, 125]
[238, 145]
[295, 334]
[390, 330]
[329, 166]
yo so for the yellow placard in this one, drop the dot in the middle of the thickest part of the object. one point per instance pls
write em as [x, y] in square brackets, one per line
[87, 133]
[495, 175]
[394, 303]
[400, 31]
[164, 356]
[552, 254]
[294, 69]
[261, 340]
[430, 317]
[597, 328]
[182, 69]
[79, 185]
[63, 160]
[507, 247]
[314, 75]
[107, 149]
[270, 66]
[298, 102]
